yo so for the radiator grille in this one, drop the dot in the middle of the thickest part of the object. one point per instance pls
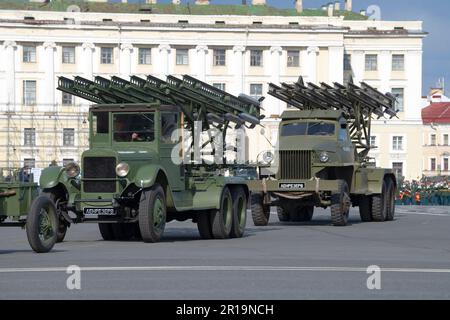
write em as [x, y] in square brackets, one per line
[98, 168]
[295, 164]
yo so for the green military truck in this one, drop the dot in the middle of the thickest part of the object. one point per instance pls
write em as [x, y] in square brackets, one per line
[322, 157]
[128, 182]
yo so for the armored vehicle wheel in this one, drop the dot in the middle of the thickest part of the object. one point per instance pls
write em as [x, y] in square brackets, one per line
[239, 213]
[260, 212]
[365, 208]
[283, 216]
[152, 214]
[222, 219]
[340, 207]
[106, 231]
[204, 225]
[42, 224]
[380, 205]
[62, 224]
[390, 214]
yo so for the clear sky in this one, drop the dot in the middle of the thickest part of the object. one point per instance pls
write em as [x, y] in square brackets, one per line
[434, 13]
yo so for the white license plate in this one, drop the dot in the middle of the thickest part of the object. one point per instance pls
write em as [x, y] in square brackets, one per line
[100, 211]
[291, 186]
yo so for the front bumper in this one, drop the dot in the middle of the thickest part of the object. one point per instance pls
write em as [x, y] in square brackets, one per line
[298, 186]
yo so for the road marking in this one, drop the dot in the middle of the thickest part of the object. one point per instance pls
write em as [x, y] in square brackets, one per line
[425, 214]
[226, 268]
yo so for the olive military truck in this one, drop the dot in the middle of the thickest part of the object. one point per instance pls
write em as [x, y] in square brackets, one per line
[128, 182]
[322, 157]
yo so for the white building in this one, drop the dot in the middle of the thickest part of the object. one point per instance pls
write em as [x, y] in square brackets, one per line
[237, 48]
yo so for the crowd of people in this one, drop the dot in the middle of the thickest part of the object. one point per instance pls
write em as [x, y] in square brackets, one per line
[426, 192]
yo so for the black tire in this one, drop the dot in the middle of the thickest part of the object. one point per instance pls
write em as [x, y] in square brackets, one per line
[365, 209]
[390, 201]
[62, 224]
[340, 207]
[283, 216]
[204, 225]
[42, 224]
[106, 231]
[260, 212]
[379, 205]
[239, 212]
[222, 219]
[152, 214]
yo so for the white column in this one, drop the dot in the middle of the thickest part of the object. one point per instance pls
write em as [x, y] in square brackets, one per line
[274, 105]
[202, 51]
[358, 66]
[164, 67]
[49, 69]
[126, 50]
[385, 67]
[336, 64]
[88, 59]
[10, 73]
[312, 53]
[238, 52]
[413, 89]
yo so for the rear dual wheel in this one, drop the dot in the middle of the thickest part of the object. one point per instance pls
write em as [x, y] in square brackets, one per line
[341, 203]
[227, 222]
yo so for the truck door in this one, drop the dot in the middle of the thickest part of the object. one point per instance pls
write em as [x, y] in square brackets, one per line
[170, 121]
[345, 143]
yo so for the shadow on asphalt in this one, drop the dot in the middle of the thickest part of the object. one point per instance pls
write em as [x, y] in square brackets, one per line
[28, 251]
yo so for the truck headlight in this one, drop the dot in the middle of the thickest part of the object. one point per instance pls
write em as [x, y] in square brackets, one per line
[324, 157]
[267, 157]
[72, 169]
[122, 169]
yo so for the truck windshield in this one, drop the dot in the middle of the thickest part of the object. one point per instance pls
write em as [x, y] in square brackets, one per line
[308, 128]
[136, 127]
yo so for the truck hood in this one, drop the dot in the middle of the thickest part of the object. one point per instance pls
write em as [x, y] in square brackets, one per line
[309, 143]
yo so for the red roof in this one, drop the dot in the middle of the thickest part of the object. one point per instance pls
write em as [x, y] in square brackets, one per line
[437, 112]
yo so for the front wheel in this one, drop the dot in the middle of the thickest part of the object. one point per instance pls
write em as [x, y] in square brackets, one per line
[340, 207]
[42, 224]
[260, 212]
[152, 214]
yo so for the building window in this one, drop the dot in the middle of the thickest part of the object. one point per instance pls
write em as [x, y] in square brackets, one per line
[68, 55]
[446, 164]
[371, 62]
[67, 99]
[398, 62]
[220, 86]
[445, 138]
[256, 90]
[397, 167]
[293, 58]
[347, 62]
[67, 161]
[373, 141]
[397, 143]
[145, 56]
[399, 94]
[182, 57]
[106, 55]
[29, 163]
[432, 164]
[432, 139]
[29, 137]
[219, 57]
[256, 58]
[68, 137]
[29, 92]
[29, 54]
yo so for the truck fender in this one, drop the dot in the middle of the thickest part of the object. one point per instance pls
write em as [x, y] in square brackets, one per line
[51, 177]
[146, 175]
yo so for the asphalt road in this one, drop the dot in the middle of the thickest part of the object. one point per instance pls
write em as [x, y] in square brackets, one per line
[282, 261]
